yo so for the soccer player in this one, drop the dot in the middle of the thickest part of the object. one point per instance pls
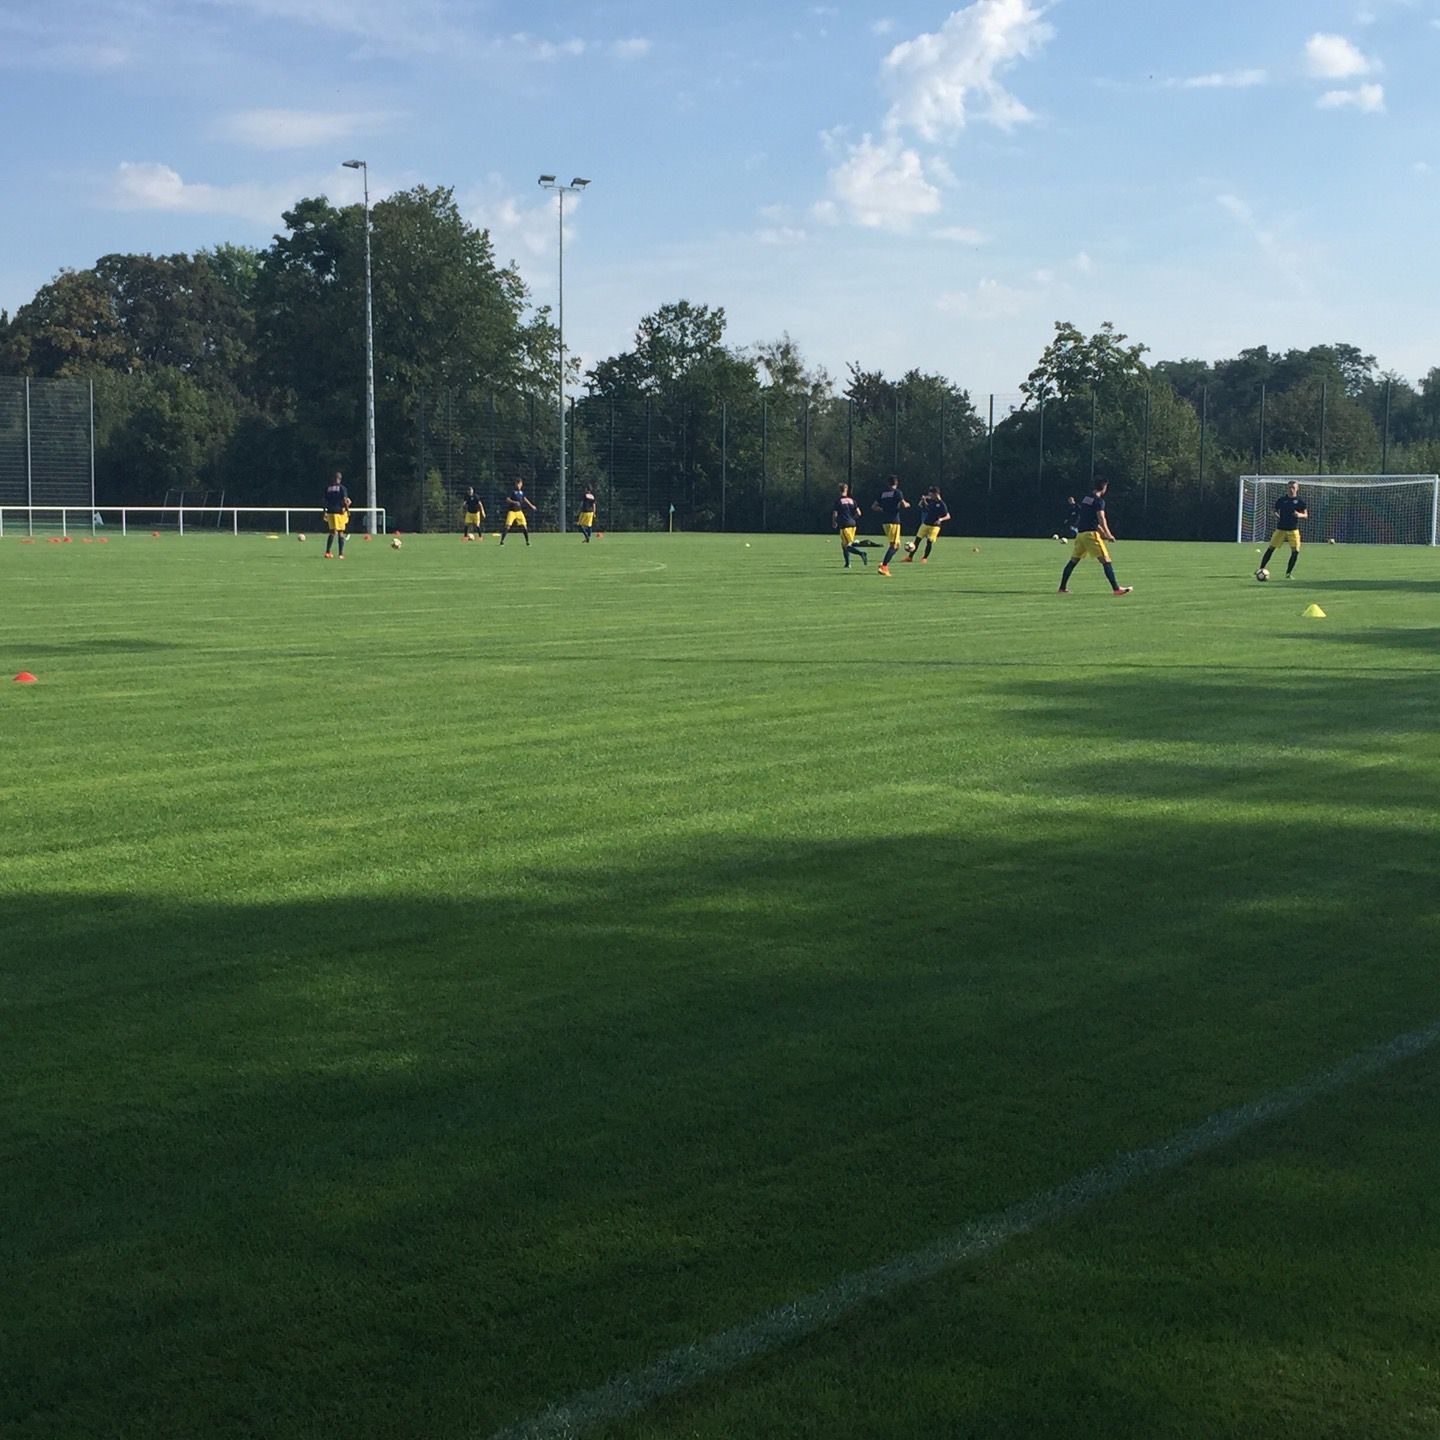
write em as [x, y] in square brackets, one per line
[1290, 509]
[933, 515]
[845, 518]
[516, 504]
[1092, 531]
[337, 513]
[474, 515]
[891, 502]
[586, 518]
[1070, 529]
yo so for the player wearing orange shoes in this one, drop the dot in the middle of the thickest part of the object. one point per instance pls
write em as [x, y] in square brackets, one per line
[1093, 531]
[337, 513]
[891, 502]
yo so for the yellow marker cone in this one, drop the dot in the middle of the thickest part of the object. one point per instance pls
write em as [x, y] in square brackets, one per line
[1313, 612]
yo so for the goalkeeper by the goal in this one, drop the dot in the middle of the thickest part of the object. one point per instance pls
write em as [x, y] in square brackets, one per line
[1290, 510]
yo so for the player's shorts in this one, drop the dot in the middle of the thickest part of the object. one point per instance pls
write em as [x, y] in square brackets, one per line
[892, 534]
[586, 520]
[1285, 537]
[847, 534]
[336, 522]
[472, 517]
[1087, 543]
[514, 518]
[928, 532]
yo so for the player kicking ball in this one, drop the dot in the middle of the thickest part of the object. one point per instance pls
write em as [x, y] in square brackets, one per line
[1290, 510]
[1092, 531]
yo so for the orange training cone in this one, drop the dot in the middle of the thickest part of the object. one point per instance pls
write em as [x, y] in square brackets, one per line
[26, 678]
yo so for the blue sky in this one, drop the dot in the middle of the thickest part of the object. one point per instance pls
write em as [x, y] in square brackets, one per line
[900, 184]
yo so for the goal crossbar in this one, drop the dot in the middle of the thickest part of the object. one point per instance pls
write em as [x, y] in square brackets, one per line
[184, 518]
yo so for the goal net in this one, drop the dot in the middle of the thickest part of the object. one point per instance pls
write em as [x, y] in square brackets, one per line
[1349, 509]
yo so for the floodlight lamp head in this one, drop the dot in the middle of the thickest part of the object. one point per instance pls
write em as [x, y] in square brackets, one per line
[579, 184]
[547, 180]
[353, 164]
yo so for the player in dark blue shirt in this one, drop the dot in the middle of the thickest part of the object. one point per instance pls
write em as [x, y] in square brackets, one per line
[337, 513]
[1070, 529]
[516, 504]
[933, 515]
[845, 518]
[586, 518]
[891, 502]
[1290, 510]
[1093, 531]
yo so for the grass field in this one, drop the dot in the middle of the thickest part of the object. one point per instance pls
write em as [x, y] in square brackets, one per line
[436, 984]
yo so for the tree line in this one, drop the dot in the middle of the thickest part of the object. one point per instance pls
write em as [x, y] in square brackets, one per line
[240, 370]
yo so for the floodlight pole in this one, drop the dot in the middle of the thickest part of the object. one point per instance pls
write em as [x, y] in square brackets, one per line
[370, 499]
[549, 182]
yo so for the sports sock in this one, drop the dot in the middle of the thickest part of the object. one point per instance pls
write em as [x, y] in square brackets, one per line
[1265, 558]
[1110, 574]
[890, 554]
[1069, 571]
[340, 544]
[928, 545]
[1294, 556]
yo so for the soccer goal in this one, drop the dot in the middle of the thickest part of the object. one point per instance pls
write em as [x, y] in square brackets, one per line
[1349, 509]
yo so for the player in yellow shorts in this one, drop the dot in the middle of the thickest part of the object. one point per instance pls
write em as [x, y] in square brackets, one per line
[337, 513]
[516, 504]
[474, 515]
[891, 502]
[1290, 509]
[845, 518]
[1094, 531]
[933, 515]
[586, 518]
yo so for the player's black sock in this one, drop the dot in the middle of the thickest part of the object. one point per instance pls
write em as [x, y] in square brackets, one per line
[856, 550]
[928, 545]
[1294, 556]
[1069, 571]
[890, 554]
[1265, 558]
[1109, 570]
[340, 545]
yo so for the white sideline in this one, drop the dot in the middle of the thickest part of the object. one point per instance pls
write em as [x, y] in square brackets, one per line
[687, 1365]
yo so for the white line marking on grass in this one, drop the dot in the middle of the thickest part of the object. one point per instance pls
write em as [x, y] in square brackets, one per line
[688, 1365]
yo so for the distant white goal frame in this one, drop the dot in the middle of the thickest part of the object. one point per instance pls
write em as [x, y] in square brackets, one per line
[222, 518]
[1355, 504]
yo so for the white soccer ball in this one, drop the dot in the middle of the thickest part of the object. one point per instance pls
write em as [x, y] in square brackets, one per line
[299, 537]
[1262, 574]
[395, 543]
[909, 547]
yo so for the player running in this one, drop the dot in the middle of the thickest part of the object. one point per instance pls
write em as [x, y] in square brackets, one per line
[845, 518]
[586, 518]
[516, 504]
[337, 513]
[891, 502]
[933, 515]
[1092, 531]
[1290, 510]
[474, 515]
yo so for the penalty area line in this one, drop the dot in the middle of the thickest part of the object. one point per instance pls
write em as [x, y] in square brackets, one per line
[687, 1365]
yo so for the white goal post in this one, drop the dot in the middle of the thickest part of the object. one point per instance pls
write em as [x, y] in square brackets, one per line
[192, 519]
[1349, 509]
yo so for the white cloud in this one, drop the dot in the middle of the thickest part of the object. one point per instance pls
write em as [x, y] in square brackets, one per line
[781, 235]
[632, 49]
[883, 26]
[1286, 260]
[937, 79]
[962, 235]
[297, 129]
[522, 228]
[1333, 57]
[1221, 80]
[146, 185]
[883, 186]
[1083, 264]
[989, 300]
[1367, 99]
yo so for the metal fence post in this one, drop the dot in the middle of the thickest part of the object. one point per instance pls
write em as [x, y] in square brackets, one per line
[1324, 395]
[1145, 460]
[1385, 438]
[724, 459]
[764, 461]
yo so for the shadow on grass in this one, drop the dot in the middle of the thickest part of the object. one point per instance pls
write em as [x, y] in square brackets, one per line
[108, 645]
[405, 1165]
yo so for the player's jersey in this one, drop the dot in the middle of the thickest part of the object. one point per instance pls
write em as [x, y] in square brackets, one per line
[1285, 508]
[515, 500]
[587, 503]
[847, 513]
[337, 498]
[891, 503]
[931, 510]
[472, 503]
[1089, 513]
